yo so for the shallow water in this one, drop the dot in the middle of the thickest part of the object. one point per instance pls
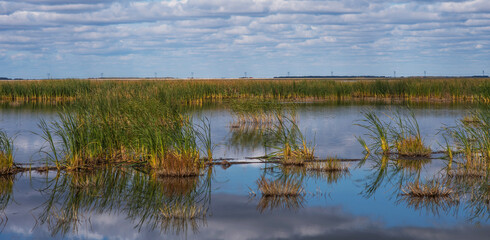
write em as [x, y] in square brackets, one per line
[365, 202]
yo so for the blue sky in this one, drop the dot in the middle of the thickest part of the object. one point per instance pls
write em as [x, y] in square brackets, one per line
[225, 38]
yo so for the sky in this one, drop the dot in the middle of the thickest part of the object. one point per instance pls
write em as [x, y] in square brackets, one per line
[231, 38]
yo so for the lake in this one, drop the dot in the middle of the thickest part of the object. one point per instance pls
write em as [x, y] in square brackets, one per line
[366, 201]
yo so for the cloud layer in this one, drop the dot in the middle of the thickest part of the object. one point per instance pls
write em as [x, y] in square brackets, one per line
[222, 38]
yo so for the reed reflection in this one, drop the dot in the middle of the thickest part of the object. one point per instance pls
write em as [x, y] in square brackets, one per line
[173, 205]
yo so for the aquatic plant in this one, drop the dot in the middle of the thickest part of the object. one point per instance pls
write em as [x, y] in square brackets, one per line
[473, 140]
[6, 153]
[198, 91]
[203, 133]
[289, 142]
[378, 131]
[401, 133]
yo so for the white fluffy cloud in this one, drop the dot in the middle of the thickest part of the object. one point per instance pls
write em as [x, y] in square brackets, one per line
[223, 38]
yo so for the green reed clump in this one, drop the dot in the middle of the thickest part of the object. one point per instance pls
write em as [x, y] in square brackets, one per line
[203, 133]
[290, 144]
[473, 140]
[288, 186]
[179, 156]
[120, 128]
[378, 132]
[407, 137]
[402, 133]
[6, 153]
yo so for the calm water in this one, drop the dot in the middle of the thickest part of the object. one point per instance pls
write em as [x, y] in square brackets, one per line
[365, 202]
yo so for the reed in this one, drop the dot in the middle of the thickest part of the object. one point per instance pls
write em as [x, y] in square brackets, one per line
[6, 153]
[178, 165]
[402, 133]
[287, 186]
[289, 142]
[473, 140]
[203, 133]
[378, 132]
[119, 128]
[197, 91]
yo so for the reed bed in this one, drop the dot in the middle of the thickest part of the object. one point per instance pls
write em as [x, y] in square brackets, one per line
[288, 187]
[197, 91]
[6, 153]
[431, 189]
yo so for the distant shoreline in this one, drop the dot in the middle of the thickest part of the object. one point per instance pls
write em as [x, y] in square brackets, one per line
[251, 78]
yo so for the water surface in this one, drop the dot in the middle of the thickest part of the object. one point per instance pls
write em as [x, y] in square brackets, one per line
[365, 202]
